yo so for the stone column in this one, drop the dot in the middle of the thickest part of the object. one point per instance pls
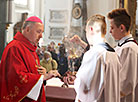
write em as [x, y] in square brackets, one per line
[3, 25]
[131, 5]
[78, 18]
[84, 19]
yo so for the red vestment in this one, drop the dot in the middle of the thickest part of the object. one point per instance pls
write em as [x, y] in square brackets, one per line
[18, 71]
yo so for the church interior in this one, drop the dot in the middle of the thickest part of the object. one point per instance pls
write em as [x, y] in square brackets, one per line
[61, 18]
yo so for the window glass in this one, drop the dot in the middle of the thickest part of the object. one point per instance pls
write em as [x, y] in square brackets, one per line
[21, 2]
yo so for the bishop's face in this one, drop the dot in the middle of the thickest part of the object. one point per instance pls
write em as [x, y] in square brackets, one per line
[35, 33]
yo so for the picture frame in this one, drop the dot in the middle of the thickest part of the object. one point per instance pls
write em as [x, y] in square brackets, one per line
[58, 16]
[57, 32]
[77, 11]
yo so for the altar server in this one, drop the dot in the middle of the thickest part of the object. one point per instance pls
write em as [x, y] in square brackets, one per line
[127, 49]
[97, 79]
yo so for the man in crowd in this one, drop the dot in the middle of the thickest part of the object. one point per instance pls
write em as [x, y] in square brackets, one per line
[21, 76]
[97, 79]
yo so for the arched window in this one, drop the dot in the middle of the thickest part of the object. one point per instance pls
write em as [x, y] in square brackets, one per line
[21, 2]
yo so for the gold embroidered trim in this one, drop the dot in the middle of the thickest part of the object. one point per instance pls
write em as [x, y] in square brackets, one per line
[31, 89]
[23, 79]
[12, 94]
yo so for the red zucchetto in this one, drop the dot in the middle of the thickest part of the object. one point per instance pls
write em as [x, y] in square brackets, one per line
[34, 19]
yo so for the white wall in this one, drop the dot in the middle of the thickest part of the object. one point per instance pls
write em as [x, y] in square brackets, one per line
[16, 15]
[60, 5]
[102, 7]
[41, 8]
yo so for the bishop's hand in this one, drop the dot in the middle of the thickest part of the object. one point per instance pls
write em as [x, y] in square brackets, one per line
[41, 70]
[51, 74]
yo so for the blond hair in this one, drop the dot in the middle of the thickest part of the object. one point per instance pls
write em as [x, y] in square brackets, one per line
[98, 18]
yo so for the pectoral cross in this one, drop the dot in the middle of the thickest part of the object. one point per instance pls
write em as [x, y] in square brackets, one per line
[37, 65]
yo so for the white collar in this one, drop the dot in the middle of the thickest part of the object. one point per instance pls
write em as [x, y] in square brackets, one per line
[125, 38]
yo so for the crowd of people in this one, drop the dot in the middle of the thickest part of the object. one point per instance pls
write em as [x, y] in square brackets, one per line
[104, 74]
[56, 57]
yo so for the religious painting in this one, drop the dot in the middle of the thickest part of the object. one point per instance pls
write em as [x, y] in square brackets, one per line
[57, 32]
[58, 16]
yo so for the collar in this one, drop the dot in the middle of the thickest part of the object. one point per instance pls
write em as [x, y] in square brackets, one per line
[105, 45]
[20, 37]
[45, 61]
[128, 37]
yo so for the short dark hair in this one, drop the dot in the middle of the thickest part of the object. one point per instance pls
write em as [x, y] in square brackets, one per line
[26, 23]
[98, 18]
[120, 16]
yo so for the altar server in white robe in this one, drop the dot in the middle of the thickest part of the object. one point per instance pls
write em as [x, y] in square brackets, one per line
[97, 79]
[127, 49]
